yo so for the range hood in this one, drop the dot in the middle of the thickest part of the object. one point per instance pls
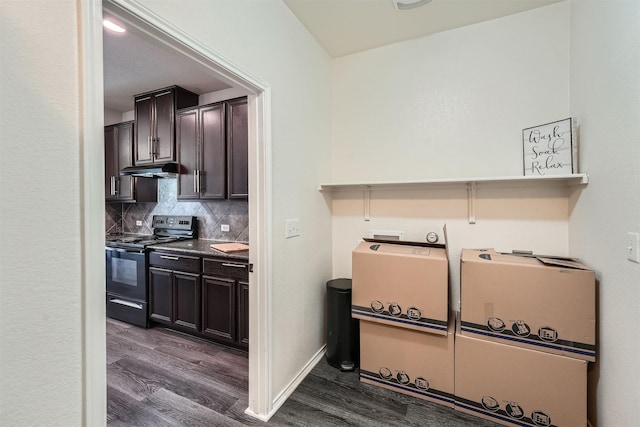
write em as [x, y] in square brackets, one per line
[164, 170]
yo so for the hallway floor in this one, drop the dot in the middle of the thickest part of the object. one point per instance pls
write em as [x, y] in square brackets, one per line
[157, 377]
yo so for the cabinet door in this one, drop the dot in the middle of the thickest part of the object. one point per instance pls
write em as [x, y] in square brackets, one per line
[125, 159]
[237, 149]
[218, 308]
[110, 163]
[160, 295]
[186, 300]
[144, 130]
[164, 143]
[243, 313]
[118, 152]
[212, 152]
[187, 123]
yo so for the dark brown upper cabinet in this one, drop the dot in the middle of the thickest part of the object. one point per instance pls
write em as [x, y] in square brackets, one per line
[212, 151]
[155, 123]
[201, 152]
[237, 149]
[118, 154]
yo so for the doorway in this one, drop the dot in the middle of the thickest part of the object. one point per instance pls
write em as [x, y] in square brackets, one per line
[260, 400]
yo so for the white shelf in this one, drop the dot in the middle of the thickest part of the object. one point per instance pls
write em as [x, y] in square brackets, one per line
[471, 185]
[573, 179]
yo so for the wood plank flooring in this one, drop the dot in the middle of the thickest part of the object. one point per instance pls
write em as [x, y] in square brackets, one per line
[157, 377]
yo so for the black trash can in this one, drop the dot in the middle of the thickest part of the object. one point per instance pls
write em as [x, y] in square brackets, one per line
[343, 333]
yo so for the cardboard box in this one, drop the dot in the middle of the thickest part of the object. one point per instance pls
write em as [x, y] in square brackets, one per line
[410, 362]
[401, 285]
[515, 386]
[539, 303]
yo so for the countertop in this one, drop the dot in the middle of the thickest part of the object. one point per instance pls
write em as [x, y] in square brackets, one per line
[200, 247]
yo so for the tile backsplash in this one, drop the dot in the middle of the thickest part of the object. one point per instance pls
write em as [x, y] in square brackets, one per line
[122, 217]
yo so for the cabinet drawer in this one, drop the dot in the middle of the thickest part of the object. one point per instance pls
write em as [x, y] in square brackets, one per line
[175, 262]
[226, 268]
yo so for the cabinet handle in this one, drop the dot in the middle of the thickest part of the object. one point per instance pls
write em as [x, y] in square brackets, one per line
[126, 303]
[154, 147]
[114, 188]
[149, 147]
[172, 258]
[195, 180]
[228, 264]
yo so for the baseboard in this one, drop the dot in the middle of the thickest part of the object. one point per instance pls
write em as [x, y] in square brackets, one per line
[260, 417]
[291, 387]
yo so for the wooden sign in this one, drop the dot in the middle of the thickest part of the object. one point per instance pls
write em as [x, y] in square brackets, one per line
[549, 149]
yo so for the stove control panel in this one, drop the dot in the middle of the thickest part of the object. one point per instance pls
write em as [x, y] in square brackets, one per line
[175, 222]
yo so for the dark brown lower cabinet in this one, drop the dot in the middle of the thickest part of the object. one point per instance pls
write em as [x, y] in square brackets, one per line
[243, 313]
[174, 298]
[218, 308]
[208, 297]
[161, 295]
[186, 300]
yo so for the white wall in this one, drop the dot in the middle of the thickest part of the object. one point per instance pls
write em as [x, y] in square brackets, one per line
[40, 216]
[265, 39]
[605, 96]
[452, 105]
[220, 95]
[112, 117]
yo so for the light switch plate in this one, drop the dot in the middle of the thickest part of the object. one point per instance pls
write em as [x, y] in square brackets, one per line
[292, 228]
[224, 227]
[139, 223]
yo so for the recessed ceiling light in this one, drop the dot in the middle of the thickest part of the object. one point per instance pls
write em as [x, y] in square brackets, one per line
[109, 25]
[409, 4]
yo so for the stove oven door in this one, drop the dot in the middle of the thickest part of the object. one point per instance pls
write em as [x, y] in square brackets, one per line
[126, 285]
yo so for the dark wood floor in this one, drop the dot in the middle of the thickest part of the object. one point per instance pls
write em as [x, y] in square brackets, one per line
[157, 377]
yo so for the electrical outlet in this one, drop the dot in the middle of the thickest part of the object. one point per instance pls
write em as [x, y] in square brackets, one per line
[224, 227]
[633, 247]
[292, 228]
[139, 223]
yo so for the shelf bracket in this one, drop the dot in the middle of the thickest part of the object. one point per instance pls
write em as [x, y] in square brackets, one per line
[471, 196]
[367, 202]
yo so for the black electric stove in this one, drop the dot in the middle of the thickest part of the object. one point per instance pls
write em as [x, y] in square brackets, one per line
[166, 228]
[127, 263]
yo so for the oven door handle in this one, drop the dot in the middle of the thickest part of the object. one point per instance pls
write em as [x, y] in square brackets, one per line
[133, 251]
[126, 303]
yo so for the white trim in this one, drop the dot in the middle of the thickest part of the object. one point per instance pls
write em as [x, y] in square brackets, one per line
[94, 364]
[260, 402]
[260, 349]
[288, 390]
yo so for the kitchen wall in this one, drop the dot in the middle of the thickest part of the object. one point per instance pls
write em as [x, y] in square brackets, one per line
[605, 88]
[452, 105]
[122, 217]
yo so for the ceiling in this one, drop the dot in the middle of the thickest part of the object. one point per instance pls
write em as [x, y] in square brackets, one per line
[344, 27]
[136, 62]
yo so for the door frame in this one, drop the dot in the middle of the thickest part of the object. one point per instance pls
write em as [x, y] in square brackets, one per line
[260, 233]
